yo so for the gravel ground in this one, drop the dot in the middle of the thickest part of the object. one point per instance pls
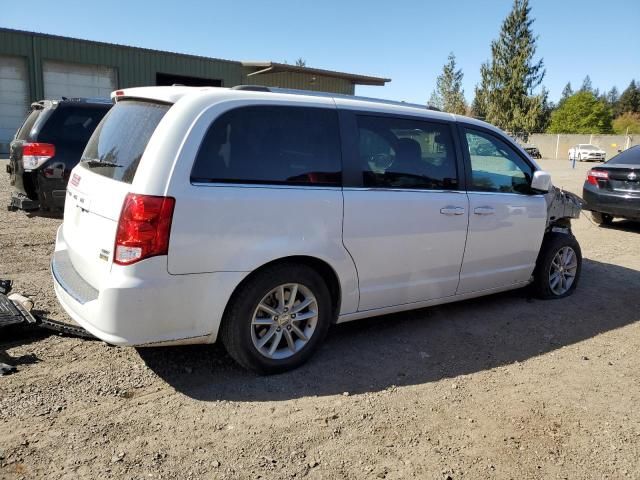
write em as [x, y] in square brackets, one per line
[500, 387]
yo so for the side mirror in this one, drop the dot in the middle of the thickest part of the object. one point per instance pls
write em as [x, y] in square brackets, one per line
[541, 181]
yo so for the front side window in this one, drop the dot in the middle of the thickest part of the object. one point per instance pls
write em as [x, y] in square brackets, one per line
[495, 166]
[273, 145]
[405, 153]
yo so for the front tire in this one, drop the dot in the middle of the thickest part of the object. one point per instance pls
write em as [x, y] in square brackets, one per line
[602, 218]
[558, 267]
[277, 319]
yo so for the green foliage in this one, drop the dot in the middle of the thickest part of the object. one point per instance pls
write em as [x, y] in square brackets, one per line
[301, 62]
[627, 123]
[505, 96]
[630, 99]
[448, 95]
[581, 113]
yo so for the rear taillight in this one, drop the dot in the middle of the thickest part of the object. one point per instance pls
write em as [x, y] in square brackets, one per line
[594, 175]
[143, 228]
[35, 155]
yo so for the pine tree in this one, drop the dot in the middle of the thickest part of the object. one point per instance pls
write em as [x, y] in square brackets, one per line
[544, 120]
[301, 62]
[448, 95]
[630, 99]
[435, 101]
[567, 91]
[613, 96]
[479, 105]
[506, 92]
[586, 85]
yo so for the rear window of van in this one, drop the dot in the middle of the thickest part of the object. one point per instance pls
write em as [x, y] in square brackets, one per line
[116, 147]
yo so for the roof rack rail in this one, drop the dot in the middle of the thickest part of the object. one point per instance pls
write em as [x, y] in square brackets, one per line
[86, 99]
[252, 88]
[294, 91]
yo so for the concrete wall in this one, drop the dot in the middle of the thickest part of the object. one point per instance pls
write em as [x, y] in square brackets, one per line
[557, 146]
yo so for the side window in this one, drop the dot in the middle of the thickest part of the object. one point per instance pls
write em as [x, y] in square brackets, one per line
[495, 166]
[404, 153]
[25, 130]
[271, 144]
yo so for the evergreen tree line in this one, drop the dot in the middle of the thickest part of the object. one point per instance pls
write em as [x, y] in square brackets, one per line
[511, 96]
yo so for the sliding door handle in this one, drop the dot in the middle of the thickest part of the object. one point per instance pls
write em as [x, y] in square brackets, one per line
[484, 211]
[452, 211]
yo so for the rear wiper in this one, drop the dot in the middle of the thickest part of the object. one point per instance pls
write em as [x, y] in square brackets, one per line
[98, 163]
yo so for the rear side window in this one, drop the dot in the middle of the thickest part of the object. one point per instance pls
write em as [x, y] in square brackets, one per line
[406, 153]
[273, 145]
[71, 124]
[630, 156]
[25, 130]
[116, 146]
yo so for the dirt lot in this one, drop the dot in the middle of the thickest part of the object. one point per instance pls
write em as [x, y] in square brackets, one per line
[500, 387]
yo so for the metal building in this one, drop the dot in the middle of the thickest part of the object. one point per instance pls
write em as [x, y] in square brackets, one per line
[34, 66]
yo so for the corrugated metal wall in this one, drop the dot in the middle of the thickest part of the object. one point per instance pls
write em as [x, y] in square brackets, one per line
[303, 81]
[134, 66]
[137, 67]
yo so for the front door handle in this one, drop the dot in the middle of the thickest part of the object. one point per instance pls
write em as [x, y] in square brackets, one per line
[484, 211]
[450, 210]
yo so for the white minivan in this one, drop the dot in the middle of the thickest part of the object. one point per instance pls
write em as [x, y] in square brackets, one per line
[261, 216]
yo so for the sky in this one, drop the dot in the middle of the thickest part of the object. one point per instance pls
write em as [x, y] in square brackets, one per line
[405, 40]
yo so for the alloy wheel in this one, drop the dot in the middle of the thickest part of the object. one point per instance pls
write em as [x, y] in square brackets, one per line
[563, 270]
[284, 321]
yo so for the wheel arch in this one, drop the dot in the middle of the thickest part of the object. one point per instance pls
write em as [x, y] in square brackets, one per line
[323, 268]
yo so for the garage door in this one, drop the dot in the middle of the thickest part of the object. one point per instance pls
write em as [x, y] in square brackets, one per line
[74, 80]
[14, 98]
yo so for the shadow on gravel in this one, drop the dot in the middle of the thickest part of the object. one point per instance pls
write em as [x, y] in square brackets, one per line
[624, 225]
[17, 335]
[420, 346]
[58, 214]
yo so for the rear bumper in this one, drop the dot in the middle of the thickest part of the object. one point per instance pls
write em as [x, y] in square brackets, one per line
[616, 204]
[43, 192]
[143, 305]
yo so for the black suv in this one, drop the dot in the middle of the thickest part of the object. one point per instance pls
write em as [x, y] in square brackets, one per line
[47, 146]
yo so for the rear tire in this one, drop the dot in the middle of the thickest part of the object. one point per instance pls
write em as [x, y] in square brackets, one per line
[558, 267]
[602, 218]
[265, 333]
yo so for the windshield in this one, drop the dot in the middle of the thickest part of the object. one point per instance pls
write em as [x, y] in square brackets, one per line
[589, 147]
[117, 145]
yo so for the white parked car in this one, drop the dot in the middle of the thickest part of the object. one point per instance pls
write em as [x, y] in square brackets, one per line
[262, 217]
[586, 152]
